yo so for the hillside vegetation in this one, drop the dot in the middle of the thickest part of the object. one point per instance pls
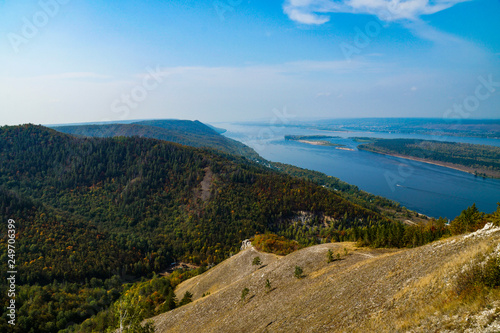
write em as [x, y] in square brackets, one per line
[379, 204]
[197, 134]
[185, 132]
[92, 213]
[97, 217]
[425, 289]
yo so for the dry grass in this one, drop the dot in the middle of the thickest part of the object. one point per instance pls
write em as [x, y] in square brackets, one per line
[369, 290]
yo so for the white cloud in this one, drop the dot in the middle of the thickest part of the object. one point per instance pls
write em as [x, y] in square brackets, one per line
[315, 11]
[307, 18]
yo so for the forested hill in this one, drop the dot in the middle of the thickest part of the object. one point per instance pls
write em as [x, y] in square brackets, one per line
[53, 244]
[157, 201]
[186, 132]
[197, 134]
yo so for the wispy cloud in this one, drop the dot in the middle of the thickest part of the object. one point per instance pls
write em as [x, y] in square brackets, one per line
[73, 76]
[285, 69]
[316, 11]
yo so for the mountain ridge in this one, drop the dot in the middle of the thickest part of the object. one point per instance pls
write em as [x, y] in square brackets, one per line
[137, 184]
[185, 132]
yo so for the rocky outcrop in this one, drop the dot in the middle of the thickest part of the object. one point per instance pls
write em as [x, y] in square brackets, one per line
[246, 244]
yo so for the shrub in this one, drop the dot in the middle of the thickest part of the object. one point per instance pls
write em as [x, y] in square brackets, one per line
[298, 272]
[244, 294]
[275, 244]
[329, 256]
[478, 276]
[268, 286]
[256, 261]
[491, 273]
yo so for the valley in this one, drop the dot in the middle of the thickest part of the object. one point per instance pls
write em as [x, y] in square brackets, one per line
[103, 212]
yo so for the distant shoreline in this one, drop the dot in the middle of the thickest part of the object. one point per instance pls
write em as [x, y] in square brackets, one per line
[319, 143]
[489, 174]
[314, 143]
[344, 148]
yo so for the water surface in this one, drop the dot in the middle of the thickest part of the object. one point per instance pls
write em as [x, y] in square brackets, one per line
[429, 189]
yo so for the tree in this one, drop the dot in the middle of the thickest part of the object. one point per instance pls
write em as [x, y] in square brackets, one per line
[256, 261]
[268, 286]
[244, 294]
[170, 302]
[329, 256]
[467, 221]
[130, 315]
[495, 217]
[298, 272]
[188, 298]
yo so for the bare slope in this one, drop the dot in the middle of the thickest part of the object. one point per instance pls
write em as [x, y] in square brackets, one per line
[367, 291]
[224, 274]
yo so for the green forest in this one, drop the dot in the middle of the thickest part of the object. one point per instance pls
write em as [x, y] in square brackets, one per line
[484, 160]
[98, 219]
[185, 132]
[101, 208]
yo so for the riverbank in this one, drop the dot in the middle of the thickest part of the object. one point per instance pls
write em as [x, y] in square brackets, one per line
[487, 173]
[320, 143]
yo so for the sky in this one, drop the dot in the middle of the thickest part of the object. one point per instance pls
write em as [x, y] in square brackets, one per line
[69, 61]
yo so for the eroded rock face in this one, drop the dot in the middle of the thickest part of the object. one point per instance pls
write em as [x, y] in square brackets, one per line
[245, 244]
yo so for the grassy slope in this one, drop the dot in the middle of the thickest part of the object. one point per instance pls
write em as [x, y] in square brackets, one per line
[368, 291]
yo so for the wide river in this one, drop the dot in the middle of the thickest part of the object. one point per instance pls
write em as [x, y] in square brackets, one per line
[429, 189]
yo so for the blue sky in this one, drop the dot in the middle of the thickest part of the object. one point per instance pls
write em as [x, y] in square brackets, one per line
[65, 61]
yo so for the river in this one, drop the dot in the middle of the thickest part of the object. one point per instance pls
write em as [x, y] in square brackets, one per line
[428, 189]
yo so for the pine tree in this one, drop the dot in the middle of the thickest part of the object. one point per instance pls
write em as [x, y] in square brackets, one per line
[256, 261]
[188, 298]
[329, 256]
[244, 294]
[298, 272]
[268, 286]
